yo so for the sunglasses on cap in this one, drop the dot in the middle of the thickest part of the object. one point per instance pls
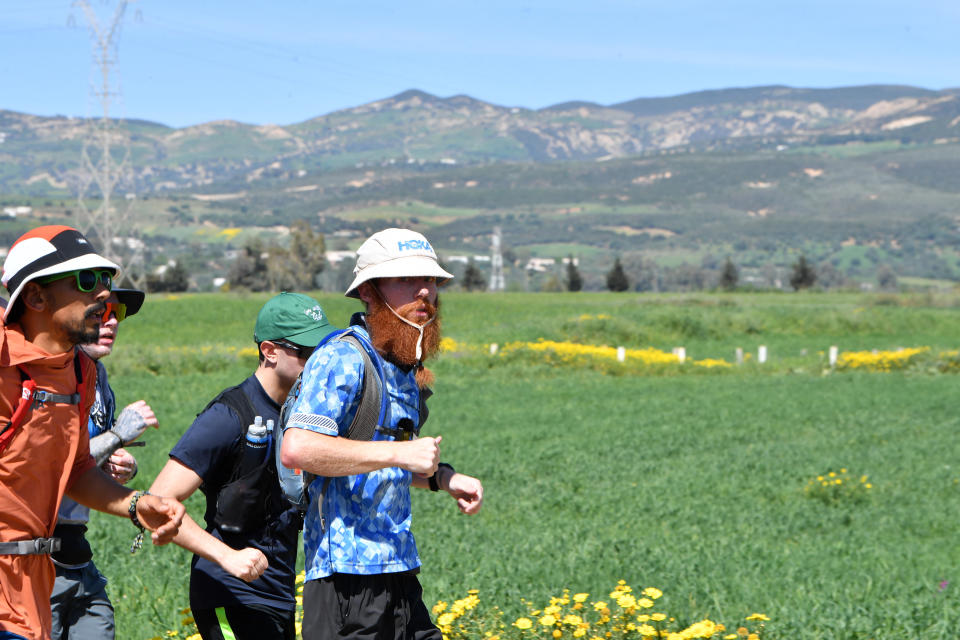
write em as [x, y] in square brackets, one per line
[117, 308]
[87, 279]
[302, 351]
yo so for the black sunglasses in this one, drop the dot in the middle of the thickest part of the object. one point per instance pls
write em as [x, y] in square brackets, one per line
[302, 351]
[86, 278]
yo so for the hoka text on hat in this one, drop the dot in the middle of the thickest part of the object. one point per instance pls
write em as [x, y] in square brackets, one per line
[414, 245]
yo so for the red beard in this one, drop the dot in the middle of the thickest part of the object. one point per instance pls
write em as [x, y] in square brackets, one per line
[397, 341]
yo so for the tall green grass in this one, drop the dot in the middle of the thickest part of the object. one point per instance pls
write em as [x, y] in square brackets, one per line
[690, 483]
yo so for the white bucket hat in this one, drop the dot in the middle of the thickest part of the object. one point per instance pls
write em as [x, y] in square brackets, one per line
[395, 253]
[45, 251]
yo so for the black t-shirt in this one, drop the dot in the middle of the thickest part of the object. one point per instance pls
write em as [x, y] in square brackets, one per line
[210, 447]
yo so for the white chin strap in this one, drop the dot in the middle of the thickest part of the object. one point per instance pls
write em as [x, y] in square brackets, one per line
[418, 327]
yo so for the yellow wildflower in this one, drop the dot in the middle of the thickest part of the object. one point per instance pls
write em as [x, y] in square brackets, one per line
[599, 606]
[652, 592]
[758, 616]
[580, 597]
[646, 603]
[548, 620]
[523, 623]
[702, 629]
[627, 601]
[557, 633]
[658, 617]
[440, 607]
[446, 618]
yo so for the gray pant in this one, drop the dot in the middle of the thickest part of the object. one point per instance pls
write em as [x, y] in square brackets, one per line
[81, 609]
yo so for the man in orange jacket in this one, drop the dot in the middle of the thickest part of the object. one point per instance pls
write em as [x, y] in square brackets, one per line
[58, 286]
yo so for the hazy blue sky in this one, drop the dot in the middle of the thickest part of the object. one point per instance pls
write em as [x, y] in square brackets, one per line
[285, 61]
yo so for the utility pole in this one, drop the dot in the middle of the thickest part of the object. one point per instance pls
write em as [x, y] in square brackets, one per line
[105, 159]
[496, 262]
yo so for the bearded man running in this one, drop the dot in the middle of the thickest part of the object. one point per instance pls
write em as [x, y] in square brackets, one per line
[361, 557]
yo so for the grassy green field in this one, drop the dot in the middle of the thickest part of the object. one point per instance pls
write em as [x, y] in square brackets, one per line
[688, 480]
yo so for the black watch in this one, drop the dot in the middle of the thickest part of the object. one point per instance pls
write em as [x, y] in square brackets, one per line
[435, 478]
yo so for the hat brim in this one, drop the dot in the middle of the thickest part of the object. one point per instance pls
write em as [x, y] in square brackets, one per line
[405, 267]
[86, 261]
[133, 298]
[311, 337]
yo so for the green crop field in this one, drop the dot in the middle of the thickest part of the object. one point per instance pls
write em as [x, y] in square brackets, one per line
[701, 481]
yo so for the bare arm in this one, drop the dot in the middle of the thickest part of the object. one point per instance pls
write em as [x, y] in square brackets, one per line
[333, 456]
[97, 490]
[180, 481]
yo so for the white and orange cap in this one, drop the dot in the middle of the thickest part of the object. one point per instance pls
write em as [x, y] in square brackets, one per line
[46, 251]
[395, 253]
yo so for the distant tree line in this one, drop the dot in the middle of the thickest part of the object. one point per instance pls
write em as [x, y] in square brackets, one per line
[271, 267]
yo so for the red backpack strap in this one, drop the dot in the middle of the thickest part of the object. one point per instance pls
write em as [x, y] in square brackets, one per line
[29, 396]
[27, 389]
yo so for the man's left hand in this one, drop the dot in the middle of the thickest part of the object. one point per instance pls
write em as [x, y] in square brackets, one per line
[162, 516]
[121, 466]
[467, 491]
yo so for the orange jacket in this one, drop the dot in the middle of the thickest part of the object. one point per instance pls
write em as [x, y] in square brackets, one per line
[47, 453]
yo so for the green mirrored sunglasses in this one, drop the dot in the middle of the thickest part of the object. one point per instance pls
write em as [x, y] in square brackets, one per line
[86, 278]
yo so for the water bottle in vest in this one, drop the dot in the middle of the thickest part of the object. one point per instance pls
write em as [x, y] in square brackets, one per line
[255, 447]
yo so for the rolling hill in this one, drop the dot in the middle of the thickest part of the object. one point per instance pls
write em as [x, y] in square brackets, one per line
[858, 178]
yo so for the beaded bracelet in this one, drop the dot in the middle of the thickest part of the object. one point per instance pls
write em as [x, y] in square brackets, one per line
[137, 541]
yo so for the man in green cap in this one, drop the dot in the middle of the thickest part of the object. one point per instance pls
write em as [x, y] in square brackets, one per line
[243, 570]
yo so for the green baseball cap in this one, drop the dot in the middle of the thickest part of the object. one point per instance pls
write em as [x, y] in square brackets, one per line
[294, 317]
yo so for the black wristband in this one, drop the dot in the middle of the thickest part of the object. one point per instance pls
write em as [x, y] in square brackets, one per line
[435, 478]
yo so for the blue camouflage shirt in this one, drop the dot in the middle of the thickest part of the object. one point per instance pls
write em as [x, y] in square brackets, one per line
[368, 515]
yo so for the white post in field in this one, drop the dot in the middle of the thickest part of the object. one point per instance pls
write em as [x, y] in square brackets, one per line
[834, 352]
[621, 354]
[493, 348]
[762, 353]
[739, 355]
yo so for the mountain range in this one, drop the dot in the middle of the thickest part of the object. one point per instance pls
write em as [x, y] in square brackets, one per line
[859, 179]
[41, 154]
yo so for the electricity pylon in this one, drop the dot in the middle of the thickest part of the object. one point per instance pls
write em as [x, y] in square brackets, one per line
[105, 165]
[496, 262]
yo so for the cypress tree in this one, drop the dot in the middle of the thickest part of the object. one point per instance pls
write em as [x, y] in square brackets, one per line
[617, 278]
